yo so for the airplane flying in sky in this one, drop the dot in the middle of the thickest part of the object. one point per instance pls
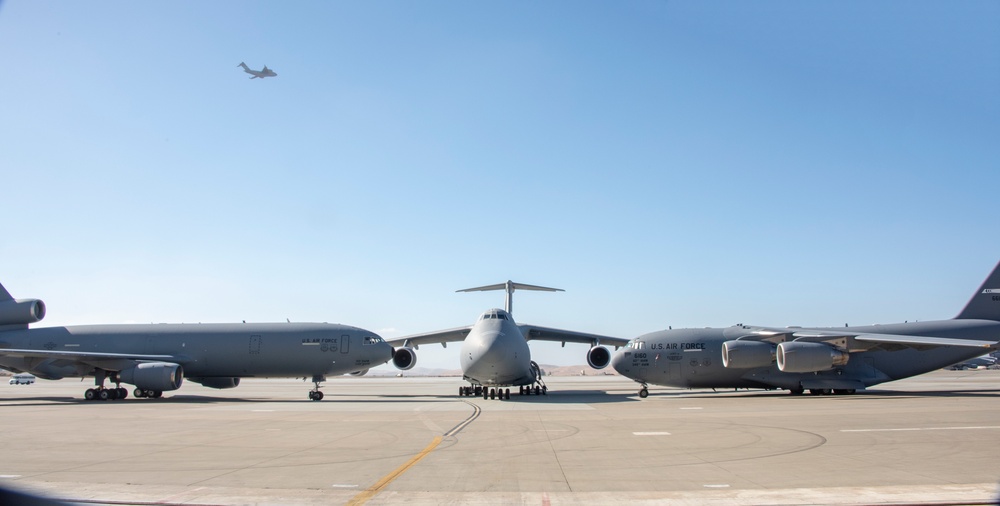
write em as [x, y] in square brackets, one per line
[823, 360]
[265, 72]
[157, 357]
[495, 349]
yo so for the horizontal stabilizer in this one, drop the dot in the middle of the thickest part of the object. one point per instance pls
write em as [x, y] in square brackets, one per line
[510, 285]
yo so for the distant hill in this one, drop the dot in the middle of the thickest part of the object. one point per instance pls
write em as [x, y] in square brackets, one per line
[549, 370]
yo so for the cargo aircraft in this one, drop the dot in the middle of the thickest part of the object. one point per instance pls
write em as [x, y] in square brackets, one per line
[495, 353]
[822, 360]
[158, 357]
[265, 72]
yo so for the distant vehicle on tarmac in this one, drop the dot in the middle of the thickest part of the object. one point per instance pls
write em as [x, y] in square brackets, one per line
[22, 379]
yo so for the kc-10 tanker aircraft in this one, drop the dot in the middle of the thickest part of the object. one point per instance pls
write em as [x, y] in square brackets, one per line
[495, 350]
[157, 357]
[839, 360]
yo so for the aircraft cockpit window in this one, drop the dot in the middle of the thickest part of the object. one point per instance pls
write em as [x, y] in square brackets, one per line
[372, 340]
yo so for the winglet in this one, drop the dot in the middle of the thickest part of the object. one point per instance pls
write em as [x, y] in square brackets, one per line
[509, 287]
[985, 303]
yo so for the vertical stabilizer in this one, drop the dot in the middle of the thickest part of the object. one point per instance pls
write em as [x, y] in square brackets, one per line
[509, 287]
[4, 294]
[985, 303]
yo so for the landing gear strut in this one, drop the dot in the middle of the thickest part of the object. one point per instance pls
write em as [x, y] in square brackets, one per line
[315, 394]
[644, 391]
[100, 393]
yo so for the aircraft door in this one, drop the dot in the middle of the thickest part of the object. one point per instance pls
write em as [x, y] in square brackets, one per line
[255, 345]
[345, 342]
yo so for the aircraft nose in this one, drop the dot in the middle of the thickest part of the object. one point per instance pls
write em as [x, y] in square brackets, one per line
[618, 362]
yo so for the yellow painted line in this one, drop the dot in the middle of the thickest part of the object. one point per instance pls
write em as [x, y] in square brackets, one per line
[372, 491]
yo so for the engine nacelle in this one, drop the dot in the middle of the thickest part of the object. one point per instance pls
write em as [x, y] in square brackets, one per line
[160, 376]
[404, 358]
[21, 311]
[220, 383]
[795, 356]
[360, 373]
[598, 357]
[741, 354]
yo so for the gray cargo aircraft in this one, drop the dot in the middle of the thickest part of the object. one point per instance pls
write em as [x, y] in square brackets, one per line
[823, 360]
[495, 350]
[157, 357]
[265, 72]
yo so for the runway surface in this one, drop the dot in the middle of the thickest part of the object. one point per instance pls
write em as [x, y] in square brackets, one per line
[927, 440]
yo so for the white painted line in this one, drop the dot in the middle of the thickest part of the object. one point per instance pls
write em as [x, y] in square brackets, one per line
[912, 429]
[691, 408]
[338, 485]
[262, 410]
[8, 476]
[720, 485]
[650, 433]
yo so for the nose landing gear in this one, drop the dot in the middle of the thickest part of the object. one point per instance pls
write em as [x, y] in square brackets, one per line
[315, 394]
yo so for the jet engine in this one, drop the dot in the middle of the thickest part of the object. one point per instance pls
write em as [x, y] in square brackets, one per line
[404, 358]
[741, 354]
[21, 311]
[220, 383]
[160, 376]
[360, 373]
[795, 356]
[598, 357]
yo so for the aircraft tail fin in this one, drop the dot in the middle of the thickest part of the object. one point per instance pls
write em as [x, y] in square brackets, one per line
[244, 65]
[509, 287]
[985, 303]
[4, 294]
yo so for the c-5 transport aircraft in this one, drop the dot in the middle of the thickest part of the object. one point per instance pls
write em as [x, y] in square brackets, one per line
[157, 357]
[838, 360]
[495, 350]
[265, 72]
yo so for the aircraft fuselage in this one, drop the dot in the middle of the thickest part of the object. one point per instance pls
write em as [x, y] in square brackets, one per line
[495, 352]
[692, 358]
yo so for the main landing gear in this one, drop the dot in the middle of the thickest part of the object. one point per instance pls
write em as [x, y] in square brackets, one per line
[536, 389]
[315, 394]
[822, 391]
[101, 393]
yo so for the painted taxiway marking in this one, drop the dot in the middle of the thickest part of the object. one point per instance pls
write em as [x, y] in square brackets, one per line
[8, 476]
[262, 410]
[691, 408]
[650, 433]
[372, 491]
[914, 429]
[720, 485]
[338, 485]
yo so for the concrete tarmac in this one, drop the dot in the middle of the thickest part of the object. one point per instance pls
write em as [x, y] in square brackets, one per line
[932, 439]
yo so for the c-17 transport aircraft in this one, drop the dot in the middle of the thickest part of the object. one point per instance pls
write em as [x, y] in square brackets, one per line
[262, 73]
[495, 351]
[157, 357]
[823, 360]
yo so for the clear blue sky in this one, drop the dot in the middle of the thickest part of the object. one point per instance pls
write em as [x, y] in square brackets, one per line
[666, 163]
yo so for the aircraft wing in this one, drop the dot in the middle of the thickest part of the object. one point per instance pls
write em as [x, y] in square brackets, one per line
[110, 361]
[440, 336]
[854, 341]
[536, 333]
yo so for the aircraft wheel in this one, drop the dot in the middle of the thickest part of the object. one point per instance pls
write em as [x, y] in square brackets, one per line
[319, 395]
[157, 394]
[796, 391]
[122, 393]
[643, 393]
[545, 390]
[90, 394]
[493, 393]
[461, 391]
[104, 394]
[486, 393]
[506, 394]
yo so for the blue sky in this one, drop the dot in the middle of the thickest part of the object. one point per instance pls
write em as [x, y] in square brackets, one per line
[666, 163]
